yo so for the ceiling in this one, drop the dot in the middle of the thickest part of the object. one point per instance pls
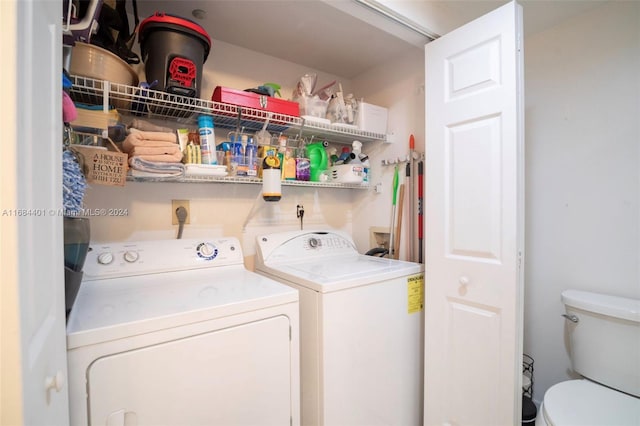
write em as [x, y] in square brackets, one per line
[538, 14]
[324, 35]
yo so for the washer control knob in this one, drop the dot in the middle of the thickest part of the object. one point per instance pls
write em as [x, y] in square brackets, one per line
[131, 256]
[314, 242]
[105, 258]
[206, 251]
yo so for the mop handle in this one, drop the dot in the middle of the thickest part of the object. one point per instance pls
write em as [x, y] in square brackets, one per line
[395, 185]
[420, 211]
[410, 181]
[392, 247]
[420, 195]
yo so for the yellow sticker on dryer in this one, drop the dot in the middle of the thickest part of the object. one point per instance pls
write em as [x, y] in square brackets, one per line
[415, 293]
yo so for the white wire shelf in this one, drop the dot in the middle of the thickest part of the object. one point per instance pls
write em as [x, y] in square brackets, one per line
[130, 100]
[246, 180]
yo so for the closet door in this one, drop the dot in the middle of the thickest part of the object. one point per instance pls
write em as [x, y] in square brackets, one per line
[33, 349]
[474, 222]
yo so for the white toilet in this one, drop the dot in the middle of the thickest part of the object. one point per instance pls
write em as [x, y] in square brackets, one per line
[604, 342]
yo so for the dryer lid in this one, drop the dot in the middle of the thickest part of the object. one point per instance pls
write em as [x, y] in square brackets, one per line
[582, 402]
[123, 307]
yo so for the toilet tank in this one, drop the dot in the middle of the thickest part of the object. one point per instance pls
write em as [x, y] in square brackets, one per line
[605, 341]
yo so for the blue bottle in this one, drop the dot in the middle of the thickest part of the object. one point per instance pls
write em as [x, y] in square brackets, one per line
[207, 139]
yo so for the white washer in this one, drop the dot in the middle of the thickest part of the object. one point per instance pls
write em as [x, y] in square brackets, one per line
[361, 328]
[179, 333]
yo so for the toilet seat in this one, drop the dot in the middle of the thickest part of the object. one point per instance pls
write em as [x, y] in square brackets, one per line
[582, 402]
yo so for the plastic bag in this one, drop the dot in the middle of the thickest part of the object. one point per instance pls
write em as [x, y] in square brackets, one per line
[114, 33]
[305, 86]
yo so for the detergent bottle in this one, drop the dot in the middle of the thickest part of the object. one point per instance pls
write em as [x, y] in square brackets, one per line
[252, 158]
[282, 150]
[364, 159]
[318, 160]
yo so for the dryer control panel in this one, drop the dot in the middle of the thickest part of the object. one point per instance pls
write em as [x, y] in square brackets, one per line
[121, 259]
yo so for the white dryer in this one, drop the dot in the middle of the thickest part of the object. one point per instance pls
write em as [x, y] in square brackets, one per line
[179, 333]
[361, 328]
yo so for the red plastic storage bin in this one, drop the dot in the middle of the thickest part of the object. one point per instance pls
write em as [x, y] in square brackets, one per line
[253, 100]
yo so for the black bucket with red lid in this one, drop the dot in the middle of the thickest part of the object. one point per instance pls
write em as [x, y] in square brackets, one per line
[173, 51]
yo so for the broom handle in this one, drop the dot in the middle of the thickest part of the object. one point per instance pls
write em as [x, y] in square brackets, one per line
[399, 228]
[420, 210]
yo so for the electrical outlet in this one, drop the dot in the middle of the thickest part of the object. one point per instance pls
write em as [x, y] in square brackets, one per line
[174, 205]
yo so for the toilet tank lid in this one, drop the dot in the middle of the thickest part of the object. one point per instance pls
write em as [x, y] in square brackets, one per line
[614, 306]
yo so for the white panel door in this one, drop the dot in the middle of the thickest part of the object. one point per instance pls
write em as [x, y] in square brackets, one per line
[474, 223]
[31, 227]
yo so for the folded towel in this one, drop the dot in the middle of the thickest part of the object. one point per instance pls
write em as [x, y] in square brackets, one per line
[151, 176]
[139, 124]
[162, 136]
[160, 158]
[153, 168]
[156, 150]
[137, 138]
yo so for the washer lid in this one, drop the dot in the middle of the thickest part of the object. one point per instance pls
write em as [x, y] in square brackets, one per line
[324, 261]
[334, 273]
[122, 307]
[582, 402]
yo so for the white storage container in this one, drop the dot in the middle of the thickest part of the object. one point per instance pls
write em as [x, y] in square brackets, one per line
[347, 173]
[372, 118]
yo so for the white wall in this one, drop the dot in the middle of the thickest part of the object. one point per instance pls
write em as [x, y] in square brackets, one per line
[399, 86]
[582, 172]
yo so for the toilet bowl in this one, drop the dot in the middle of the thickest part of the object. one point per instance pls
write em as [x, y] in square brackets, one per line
[583, 402]
[604, 342]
